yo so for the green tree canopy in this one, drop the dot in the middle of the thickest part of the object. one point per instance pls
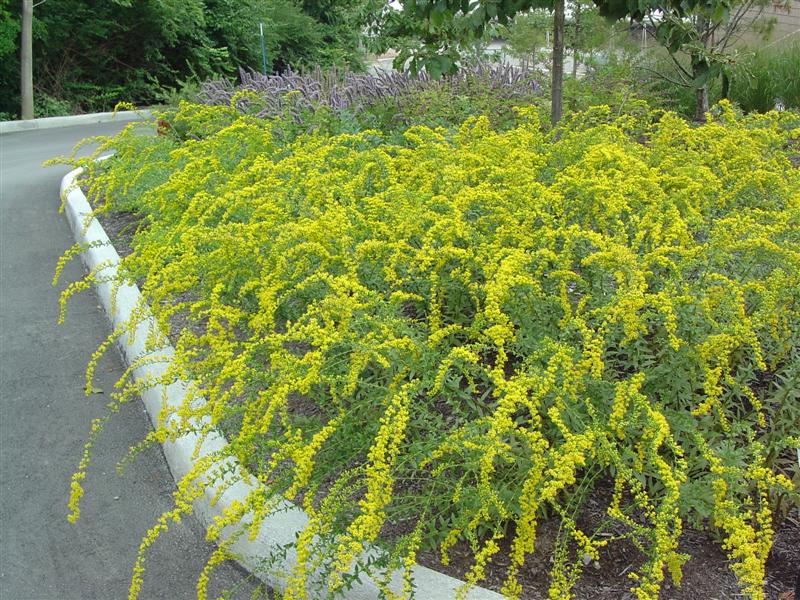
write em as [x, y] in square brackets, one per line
[91, 54]
[703, 30]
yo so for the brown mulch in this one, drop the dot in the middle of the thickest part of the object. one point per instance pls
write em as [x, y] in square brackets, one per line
[120, 227]
[706, 575]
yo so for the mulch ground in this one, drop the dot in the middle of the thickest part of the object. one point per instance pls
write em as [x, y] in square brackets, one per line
[706, 576]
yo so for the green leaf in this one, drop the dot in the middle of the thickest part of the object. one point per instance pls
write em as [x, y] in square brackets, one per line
[433, 67]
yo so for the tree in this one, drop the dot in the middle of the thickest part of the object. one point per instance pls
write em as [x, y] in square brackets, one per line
[702, 30]
[526, 36]
[584, 31]
[557, 85]
[445, 27]
[90, 54]
[297, 34]
[292, 37]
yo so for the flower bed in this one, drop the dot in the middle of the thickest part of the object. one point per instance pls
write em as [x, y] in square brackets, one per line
[462, 332]
[388, 101]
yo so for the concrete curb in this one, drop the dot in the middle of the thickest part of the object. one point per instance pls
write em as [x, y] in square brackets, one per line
[50, 122]
[282, 526]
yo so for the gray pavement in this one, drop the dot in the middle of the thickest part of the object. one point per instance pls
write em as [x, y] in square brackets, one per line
[44, 417]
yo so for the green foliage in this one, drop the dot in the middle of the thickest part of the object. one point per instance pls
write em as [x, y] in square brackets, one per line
[468, 330]
[616, 85]
[444, 107]
[294, 37]
[699, 37]
[47, 106]
[436, 32]
[650, 76]
[701, 31]
[625, 83]
[9, 30]
[526, 34]
[585, 29]
[9, 59]
[187, 90]
[91, 54]
[758, 80]
[450, 103]
[343, 24]
[585, 32]
[767, 76]
[341, 101]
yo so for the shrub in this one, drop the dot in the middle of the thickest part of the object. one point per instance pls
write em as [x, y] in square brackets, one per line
[617, 84]
[47, 106]
[759, 79]
[768, 76]
[137, 50]
[386, 100]
[463, 333]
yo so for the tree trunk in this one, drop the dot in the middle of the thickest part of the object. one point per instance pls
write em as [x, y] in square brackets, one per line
[700, 69]
[558, 62]
[701, 103]
[26, 60]
[726, 86]
[576, 36]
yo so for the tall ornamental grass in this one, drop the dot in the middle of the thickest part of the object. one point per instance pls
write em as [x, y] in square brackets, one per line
[384, 100]
[767, 77]
[463, 333]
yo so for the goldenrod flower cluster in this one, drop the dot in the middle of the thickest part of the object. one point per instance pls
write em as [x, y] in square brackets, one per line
[466, 331]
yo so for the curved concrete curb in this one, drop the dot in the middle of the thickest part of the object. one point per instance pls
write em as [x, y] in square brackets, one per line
[282, 526]
[50, 122]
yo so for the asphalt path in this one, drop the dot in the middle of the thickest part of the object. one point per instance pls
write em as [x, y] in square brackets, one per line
[45, 417]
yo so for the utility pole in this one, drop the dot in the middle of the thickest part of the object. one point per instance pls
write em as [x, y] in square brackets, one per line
[26, 60]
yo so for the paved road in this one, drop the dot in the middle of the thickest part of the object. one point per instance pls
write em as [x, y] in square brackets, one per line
[44, 417]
